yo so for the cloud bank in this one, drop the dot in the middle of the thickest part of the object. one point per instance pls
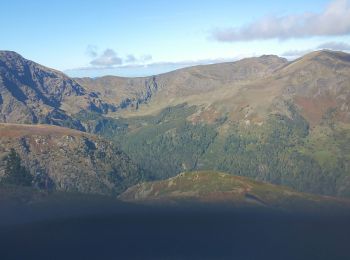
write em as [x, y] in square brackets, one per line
[109, 58]
[295, 53]
[340, 46]
[335, 46]
[333, 21]
[161, 66]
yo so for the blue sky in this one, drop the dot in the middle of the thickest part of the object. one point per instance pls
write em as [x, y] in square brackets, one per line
[136, 38]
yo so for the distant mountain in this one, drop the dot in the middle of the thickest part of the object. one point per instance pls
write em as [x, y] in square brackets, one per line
[73, 161]
[173, 86]
[210, 187]
[249, 89]
[32, 93]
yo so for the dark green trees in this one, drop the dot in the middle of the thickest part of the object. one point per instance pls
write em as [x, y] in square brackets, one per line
[15, 173]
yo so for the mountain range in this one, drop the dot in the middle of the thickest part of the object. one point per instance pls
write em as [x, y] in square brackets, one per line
[266, 118]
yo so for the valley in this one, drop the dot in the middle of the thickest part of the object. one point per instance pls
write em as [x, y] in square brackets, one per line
[265, 118]
[175, 130]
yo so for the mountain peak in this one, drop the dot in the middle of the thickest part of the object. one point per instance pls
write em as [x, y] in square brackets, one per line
[319, 62]
[329, 54]
[9, 53]
[271, 57]
[10, 56]
[14, 60]
[32, 93]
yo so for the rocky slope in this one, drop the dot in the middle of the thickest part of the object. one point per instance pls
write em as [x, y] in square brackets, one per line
[209, 187]
[32, 93]
[73, 161]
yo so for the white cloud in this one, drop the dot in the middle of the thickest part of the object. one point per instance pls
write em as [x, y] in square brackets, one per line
[335, 46]
[334, 20]
[296, 53]
[146, 58]
[173, 64]
[338, 46]
[108, 58]
[130, 59]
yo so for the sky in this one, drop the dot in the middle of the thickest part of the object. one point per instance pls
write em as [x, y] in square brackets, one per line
[141, 38]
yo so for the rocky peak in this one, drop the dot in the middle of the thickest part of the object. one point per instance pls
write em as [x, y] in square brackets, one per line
[30, 91]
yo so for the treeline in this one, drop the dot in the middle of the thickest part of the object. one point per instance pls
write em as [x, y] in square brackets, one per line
[271, 153]
[167, 144]
[16, 174]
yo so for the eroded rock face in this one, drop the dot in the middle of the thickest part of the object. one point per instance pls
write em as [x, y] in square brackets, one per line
[133, 93]
[31, 93]
[74, 161]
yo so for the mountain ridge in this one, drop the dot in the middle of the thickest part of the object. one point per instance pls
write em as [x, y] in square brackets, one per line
[222, 87]
[32, 93]
[134, 92]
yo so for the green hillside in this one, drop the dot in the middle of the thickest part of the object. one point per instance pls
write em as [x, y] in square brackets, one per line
[283, 150]
[266, 118]
[211, 187]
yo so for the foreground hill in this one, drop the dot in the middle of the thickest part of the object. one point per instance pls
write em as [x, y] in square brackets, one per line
[32, 93]
[208, 187]
[72, 160]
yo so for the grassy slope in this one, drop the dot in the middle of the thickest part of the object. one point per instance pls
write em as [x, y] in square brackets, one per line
[217, 187]
[19, 130]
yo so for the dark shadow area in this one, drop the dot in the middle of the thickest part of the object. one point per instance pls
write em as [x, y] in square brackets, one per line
[104, 229]
[15, 91]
